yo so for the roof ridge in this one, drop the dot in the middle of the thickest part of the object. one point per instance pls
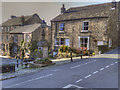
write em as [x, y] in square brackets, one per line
[90, 5]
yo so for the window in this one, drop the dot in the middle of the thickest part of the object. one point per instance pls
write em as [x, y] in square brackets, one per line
[15, 38]
[62, 27]
[85, 26]
[84, 42]
[7, 37]
[3, 47]
[100, 43]
[6, 46]
[15, 49]
[60, 41]
[27, 37]
[57, 41]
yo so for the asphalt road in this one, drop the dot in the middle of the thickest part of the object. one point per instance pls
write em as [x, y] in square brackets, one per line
[97, 72]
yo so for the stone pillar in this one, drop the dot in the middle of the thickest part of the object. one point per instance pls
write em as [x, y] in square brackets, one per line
[45, 52]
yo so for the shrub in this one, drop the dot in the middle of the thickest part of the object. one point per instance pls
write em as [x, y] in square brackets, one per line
[64, 48]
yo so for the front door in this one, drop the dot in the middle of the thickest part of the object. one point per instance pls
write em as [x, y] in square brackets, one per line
[67, 42]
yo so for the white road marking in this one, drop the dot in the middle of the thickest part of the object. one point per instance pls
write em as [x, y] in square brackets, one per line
[78, 80]
[76, 66]
[31, 80]
[112, 64]
[107, 66]
[70, 85]
[116, 62]
[81, 64]
[88, 76]
[56, 70]
[95, 72]
[101, 69]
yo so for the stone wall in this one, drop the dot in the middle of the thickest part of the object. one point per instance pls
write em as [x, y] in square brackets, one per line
[97, 30]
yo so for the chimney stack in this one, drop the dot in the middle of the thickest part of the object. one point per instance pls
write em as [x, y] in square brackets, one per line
[63, 9]
[114, 4]
[12, 16]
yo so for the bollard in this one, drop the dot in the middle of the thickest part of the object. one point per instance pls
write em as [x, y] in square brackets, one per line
[71, 56]
[81, 54]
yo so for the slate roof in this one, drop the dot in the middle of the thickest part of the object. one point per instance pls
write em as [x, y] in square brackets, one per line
[98, 10]
[16, 20]
[25, 29]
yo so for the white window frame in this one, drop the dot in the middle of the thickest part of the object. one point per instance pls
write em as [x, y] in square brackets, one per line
[84, 26]
[59, 42]
[87, 43]
[60, 26]
[99, 43]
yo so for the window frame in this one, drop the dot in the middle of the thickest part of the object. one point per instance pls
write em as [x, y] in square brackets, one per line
[88, 43]
[83, 26]
[62, 27]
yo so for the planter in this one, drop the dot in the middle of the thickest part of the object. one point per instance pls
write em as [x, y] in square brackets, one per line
[7, 68]
[34, 65]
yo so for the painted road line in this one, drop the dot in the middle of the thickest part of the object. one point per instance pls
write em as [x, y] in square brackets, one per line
[95, 72]
[76, 66]
[112, 64]
[31, 80]
[71, 85]
[107, 66]
[101, 69]
[78, 80]
[116, 62]
[56, 70]
[81, 65]
[88, 76]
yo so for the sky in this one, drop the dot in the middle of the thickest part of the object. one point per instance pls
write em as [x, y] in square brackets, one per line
[47, 9]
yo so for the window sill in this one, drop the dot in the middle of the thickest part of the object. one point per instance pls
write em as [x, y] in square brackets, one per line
[61, 31]
[84, 31]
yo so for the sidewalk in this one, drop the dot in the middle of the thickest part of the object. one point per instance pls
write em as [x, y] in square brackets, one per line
[20, 71]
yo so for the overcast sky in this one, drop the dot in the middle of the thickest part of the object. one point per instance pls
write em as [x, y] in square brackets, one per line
[46, 10]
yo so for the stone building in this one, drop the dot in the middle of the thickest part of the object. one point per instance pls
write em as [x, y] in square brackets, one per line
[94, 27]
[27, 34]
[16, 29]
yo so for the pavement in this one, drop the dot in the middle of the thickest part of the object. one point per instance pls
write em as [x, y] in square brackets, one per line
[22, 71]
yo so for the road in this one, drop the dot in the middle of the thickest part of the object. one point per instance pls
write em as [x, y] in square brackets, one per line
[98, 72]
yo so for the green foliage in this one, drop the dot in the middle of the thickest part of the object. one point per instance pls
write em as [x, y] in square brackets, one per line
[64, 48]
[33, 46]
[11, 47]
[43, 61]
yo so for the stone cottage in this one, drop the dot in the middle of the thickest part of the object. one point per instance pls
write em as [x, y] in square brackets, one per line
[94, 27]
[20, 28]
[27, 34]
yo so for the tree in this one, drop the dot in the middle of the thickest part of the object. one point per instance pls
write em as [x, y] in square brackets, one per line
[33, 45]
